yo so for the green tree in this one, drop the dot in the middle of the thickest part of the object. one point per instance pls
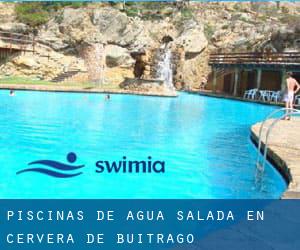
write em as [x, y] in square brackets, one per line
[32, 13]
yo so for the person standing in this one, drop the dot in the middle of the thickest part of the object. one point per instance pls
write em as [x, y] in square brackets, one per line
[203, 83]
[292, 88]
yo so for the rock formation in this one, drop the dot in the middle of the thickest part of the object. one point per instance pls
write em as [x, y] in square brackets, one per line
[131, 41]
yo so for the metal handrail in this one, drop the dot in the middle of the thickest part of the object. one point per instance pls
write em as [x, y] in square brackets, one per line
[25, 41]
[269, 131]
[16, 41]
[14, 33]
[292, 112]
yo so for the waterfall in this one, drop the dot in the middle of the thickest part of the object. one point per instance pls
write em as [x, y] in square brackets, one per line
[165, 71]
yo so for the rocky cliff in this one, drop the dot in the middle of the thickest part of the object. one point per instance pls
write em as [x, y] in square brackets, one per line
[130, 41]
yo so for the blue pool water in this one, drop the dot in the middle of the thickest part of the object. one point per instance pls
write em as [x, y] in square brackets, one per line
[204, 142]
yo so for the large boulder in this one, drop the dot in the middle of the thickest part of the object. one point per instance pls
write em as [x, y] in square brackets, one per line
[74, 18]
[118, 56]
[52, 39]
[43, 64]
[76, 26]
[136, 36]
[194, 69]
[25, 61]
[152, 87]
[192, 37]
[14, 27]
[286, 37]
[111, 23]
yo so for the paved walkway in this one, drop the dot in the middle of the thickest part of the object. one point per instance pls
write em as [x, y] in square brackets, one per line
[284, 151]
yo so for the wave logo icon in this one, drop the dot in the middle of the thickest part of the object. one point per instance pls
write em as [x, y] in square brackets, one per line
[55, 168]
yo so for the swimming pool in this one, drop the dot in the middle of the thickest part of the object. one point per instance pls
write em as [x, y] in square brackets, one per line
[204, 142]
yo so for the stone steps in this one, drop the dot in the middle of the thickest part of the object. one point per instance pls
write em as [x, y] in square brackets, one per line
[65, 75]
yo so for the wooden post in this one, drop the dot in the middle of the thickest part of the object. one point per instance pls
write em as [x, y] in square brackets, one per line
[214, 83]
[236, 81]
[231, 83]
[283, 80]
[258, 78]
[10, 42]
[33, 44]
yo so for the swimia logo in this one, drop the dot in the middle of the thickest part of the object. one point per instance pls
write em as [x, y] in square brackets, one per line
[55, 168]
[61, 170]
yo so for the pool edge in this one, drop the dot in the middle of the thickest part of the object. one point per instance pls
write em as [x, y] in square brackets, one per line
[81, 90]
[233, 98]
[281, 164]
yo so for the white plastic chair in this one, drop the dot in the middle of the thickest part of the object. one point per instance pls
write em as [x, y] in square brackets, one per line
[275, 96]
[250, 94]
[263, 95]
[297, 99]
[246, 94]
[253, 94]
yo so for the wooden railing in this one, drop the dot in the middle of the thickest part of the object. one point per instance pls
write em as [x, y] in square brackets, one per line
[255, 58]
[16, 41]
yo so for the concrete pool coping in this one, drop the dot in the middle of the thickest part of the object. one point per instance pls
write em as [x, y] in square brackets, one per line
[283, 152]
[230, 97]
[78, 89]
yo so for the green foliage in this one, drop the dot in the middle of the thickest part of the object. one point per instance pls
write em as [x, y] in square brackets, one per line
[246, 20]
[148, 10]
[284, 10]
[225, 27]
[238, 7]
[21, 80]
[37, 82]
[54, 6]
[290, 19]
[132, 12]
[187, 13]
[38, 13]
[263, 18]
[32, 14]
[208, 31]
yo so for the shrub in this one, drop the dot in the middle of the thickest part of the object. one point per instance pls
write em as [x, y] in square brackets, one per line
[208, 31]
[187, 13]
[284, 10]
[32, 14]
[38, 13]
[290, 19]
[132, 12]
